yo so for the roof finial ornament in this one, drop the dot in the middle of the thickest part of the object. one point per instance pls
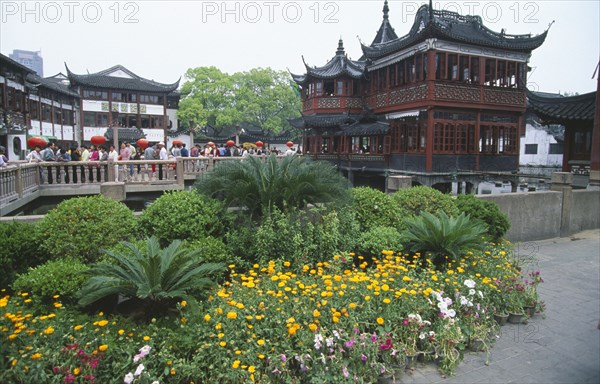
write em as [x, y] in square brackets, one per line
[430, 9]
[549, 25]
[340, 49]
[386, 10]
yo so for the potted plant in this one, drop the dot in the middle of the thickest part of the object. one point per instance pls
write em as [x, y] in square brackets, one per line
[515, 299]
[450, 342]
[531, 298]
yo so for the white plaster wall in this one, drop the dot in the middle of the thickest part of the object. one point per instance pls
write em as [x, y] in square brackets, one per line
[535, 134]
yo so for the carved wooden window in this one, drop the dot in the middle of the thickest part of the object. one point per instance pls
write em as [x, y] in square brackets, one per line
[340, 88]
[33, 109]
[452, 66]
[463, 70]
[440, 66]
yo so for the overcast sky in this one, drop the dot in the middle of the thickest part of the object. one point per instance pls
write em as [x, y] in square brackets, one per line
[160, 40]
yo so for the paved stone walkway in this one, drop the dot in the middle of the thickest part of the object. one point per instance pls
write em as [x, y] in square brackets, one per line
[561, 346]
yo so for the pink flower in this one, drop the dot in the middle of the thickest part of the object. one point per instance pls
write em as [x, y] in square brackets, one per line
[345, 371]
[387, 345]
[364, 358]
[349, 343]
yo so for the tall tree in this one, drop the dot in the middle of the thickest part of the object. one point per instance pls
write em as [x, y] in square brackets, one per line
[261, 96]
[208, 98]
[267, 98]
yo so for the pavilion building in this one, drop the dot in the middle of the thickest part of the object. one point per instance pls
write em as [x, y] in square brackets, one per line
[444, 103]
[116, 99]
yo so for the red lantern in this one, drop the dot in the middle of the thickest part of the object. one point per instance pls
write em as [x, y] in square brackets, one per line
[142, 143]
[290, 144]
[37, 140]
[98, 140]
[259, 144]
[230, 143]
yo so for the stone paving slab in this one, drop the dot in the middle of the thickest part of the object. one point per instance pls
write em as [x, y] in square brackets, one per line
[560, 346]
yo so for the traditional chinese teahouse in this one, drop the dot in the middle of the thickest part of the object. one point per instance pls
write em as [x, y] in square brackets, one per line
[443, 103]
[117, 98]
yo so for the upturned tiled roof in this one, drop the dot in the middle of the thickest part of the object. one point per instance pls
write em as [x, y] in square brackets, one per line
[339, 65]
[130, 81]
[558, 110]
[431, 23]
[58, 83]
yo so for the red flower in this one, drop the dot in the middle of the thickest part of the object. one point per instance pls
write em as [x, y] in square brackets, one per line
[387, 345]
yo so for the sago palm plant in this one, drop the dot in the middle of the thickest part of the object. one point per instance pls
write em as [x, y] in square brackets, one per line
[442, 235]
[259, 185]
[154, 278]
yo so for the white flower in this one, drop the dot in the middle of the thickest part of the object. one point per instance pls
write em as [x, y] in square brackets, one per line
[128, 378]
[145, 350]
[448, 301]
[139, 370]
[329, 341]
[480, 294]
[471, 292]
[431, 333]
[463, 300]
[155, 382]
[470, 283]
[442, 306]
[336, 334]
[451, 313]
[422, 335]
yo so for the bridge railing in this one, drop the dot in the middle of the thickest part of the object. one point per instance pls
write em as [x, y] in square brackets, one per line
[21, 178]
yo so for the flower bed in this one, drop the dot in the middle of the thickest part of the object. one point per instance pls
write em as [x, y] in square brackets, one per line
[342, 320]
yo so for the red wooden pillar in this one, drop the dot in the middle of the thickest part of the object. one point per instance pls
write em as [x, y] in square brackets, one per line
[429, 142]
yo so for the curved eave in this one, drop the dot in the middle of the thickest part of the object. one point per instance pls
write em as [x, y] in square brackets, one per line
[563, 109]
[153, 85]
[336, 67]
[471, 31]
[299, 79]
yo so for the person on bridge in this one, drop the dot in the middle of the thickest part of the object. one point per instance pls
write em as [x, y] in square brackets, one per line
[163, 155]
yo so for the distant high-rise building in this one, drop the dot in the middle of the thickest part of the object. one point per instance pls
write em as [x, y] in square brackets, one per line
[30, 59]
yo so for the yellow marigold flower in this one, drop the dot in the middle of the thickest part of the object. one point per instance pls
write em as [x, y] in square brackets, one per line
[218, 326]
[49, 331]
[100, 314]
[101, 323]
[380, 320]
[231, 315]
[260, 342]
[12, 336]
[235, 364]
[406, 278]
[312, 327]
[121, 331]
[77, 327]
[172, 371]
[24, 294]
[286, 264]
[55, 296]
[352, 305]
[57, 305]
[103, 347]
[27, 301]
[36, 356]
[240, 305]
[387, 301]
[261, 356]
[316, 313]
[367, 298]
[146, 338]
[183, 304]
[434, 278]
[223, 344]
[251, 369]
[14, 362]
[76, 371]
[207, 317]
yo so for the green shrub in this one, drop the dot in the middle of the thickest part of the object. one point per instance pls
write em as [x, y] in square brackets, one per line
[211, 249]
[183, 215]
[377, 239]
[18, 250]
[81, 227]
[154, 279]
[302, 236]
[63, 277]
[374, 208]
[487, 212]
[442, 237]
[413, 201]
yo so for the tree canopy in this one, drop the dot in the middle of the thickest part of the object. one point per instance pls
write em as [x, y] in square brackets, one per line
[262, 96]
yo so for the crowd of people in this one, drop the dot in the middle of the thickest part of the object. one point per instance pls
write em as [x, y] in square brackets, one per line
[128, 151]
